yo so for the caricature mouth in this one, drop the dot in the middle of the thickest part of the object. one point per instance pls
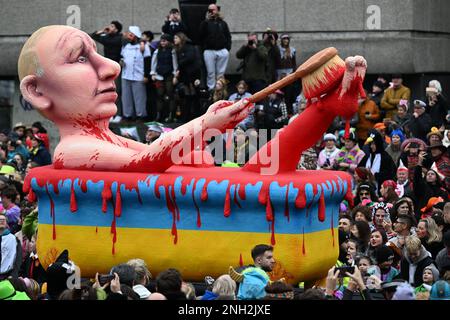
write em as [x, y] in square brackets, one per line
[109, 89]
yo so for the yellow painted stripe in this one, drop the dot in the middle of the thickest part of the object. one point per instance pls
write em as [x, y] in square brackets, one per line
[196, 254]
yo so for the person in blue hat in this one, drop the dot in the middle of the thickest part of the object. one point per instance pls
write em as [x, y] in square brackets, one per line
[440, 290]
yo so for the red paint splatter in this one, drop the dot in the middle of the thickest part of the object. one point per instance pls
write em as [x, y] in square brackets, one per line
[199, 220]
[204, 195]
[32, 196]
[286, 203]
[106, 196]
[322, 207]
[227, 204]
[52, 212]
[96, 229]
[118, 204]
[171, 207]
[177, 210]
[241, 262]
[347, 129]
[73, 199]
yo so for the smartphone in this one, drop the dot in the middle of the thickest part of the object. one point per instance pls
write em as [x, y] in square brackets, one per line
[105, 278]
[344, 269]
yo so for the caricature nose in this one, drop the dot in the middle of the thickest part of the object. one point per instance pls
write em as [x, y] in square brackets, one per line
[106, 68]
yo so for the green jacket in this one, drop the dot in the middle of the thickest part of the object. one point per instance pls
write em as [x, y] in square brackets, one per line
[255, 62]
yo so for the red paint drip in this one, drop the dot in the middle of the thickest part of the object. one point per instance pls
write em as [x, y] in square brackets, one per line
[241, 192]
[241, 262]
[183, 188]
[83, 186]
[114, 232]
[303, 242]
[235, 197]
[262, 196]
[286, 203]
[118, 205]
[332, 225]
[96, 229]
[227, 204]
[52, 212]
[322, 208]
[177, 210]
[171, 207]
[106, 196]
[272, 238]
[73, 199]
[204, 196]
[300, 200]
[55, 187]
[269, 210]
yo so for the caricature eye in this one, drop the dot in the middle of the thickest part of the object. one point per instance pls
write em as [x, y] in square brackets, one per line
[82, 59]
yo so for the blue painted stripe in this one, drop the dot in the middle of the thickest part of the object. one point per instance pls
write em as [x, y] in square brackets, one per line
[154, 214]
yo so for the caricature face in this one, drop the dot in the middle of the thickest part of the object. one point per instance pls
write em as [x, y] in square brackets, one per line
[76, 80]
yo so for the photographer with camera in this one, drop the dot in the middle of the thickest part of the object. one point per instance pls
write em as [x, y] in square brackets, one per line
[173, 23]
[216, 42]
[270, 38]
[254, 55]
[437, 105]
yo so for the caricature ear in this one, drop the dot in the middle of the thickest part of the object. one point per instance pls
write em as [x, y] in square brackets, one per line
[30, 92]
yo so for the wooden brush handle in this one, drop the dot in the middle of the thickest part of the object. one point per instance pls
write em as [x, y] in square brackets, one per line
[306, 68]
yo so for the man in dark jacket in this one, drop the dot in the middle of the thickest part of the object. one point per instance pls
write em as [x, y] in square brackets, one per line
[420, 124]
[173, 23]
[254, 55]
[216, 39]
[112, 39]
[415, 259]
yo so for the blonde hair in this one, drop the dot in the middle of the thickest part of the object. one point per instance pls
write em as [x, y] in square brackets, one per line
[224, 285]
[28, 63]
[434, 234]
[189, 290]
[140, 267]
[413, 244]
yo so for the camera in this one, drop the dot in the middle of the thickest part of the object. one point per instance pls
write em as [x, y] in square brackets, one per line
[344, 269]
[105, 278]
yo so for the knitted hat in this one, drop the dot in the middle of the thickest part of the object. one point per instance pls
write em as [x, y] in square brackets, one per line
[404, 103]
[434, 271]
[435, 131]
[135, 30]
[383, 254]
[404, 292]
[440, 290]
[329, 136]
[154, 127]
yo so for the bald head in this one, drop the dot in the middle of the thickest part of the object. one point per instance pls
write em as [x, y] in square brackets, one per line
[28, 63]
